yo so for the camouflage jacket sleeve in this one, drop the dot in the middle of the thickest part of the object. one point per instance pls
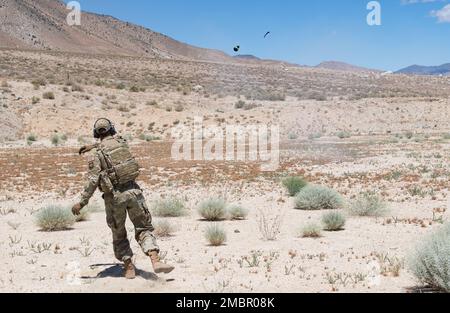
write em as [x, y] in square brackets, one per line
[92, 179]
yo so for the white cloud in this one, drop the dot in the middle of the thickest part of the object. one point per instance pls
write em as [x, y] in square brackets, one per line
[443, 15]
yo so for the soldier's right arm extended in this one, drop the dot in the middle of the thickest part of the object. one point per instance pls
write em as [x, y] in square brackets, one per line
[93, 179]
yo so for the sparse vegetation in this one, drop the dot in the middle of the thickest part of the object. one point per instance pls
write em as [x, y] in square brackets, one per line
[311, 230]
[163, 229]
[31, 138]
[333, 221]
[35, 100]
[213, 209]
[269, 225]
[430, 261]
[56, 140]
[215, 235]
[239, 105]
[54, 218]
[237, 212]
[294, 184]
[314, 197]
[343, 135]
[48, 95]
[368, 204]
[170, 207]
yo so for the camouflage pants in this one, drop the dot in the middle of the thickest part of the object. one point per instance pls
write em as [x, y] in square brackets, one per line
[129, 200]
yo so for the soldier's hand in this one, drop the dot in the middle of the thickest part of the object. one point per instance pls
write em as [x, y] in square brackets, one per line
[76, 209]
[82, 150]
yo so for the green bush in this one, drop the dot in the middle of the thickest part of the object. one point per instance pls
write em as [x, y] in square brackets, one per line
[294, 184]
[31, 138]
[368, 204]
[134, 89]
[54, 218]
[56, 140]
[318, 198]
[430, 263]
[35, 100]
[311, 230]
[343, 135]
[170, 207]
[213, 209]
[333, 221]
[215, 235]
[49, 95]
[163, 229]
[239, 105]
[236, 212]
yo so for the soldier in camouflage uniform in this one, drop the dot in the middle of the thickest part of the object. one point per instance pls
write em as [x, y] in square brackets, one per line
[120, 198]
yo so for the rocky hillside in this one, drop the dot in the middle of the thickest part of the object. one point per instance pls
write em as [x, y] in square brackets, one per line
[42, 25]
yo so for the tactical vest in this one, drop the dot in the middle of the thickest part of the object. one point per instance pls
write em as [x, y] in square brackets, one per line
[119, 167]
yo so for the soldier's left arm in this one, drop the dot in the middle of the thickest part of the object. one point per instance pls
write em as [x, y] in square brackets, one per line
[93, 179]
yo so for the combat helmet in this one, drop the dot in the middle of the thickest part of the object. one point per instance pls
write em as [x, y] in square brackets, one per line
[104, 127]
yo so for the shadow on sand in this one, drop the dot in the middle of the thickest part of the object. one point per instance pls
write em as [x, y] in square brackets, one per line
[116, 271]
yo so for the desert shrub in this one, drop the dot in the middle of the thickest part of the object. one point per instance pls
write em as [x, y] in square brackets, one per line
[333, 221]
[215, 235]
[294, 184]
[318, 198]
[430, 262]
[54, 218]
[77, 88]
[236, 212]
[239, 105]
[134, 89]
[121, 86]
[170, 207]
[179, 108]
[315, 136]
[55, 139]
[123, 108]
[317, 96]
[163, 229]
[409, 135]
[151, 103]
[213, 209]
[35, 100]
[39, 82]
[292, 136]
[31, 138]
[311, 230]
[269, 225]
[343, 135]
[368, 204]
[48, 95]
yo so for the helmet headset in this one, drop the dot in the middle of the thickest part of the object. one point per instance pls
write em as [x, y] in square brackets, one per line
[104, 131]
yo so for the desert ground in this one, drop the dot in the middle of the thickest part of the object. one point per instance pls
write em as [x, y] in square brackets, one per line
[352, 132]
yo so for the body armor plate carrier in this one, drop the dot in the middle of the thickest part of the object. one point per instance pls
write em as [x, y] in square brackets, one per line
[118, 164]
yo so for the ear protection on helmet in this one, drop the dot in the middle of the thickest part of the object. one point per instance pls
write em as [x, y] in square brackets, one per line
[111, 130]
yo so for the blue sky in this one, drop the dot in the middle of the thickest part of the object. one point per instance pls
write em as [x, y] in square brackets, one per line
[303, 32]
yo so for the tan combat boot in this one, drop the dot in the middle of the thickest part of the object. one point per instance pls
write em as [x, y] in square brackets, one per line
[130, 270]
[158, 266]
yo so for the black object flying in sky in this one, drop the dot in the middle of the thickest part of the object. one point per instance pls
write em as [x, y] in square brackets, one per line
[236, 49]
[266, 34]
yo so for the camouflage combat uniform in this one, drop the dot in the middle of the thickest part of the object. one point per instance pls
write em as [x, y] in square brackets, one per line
[126, 199]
